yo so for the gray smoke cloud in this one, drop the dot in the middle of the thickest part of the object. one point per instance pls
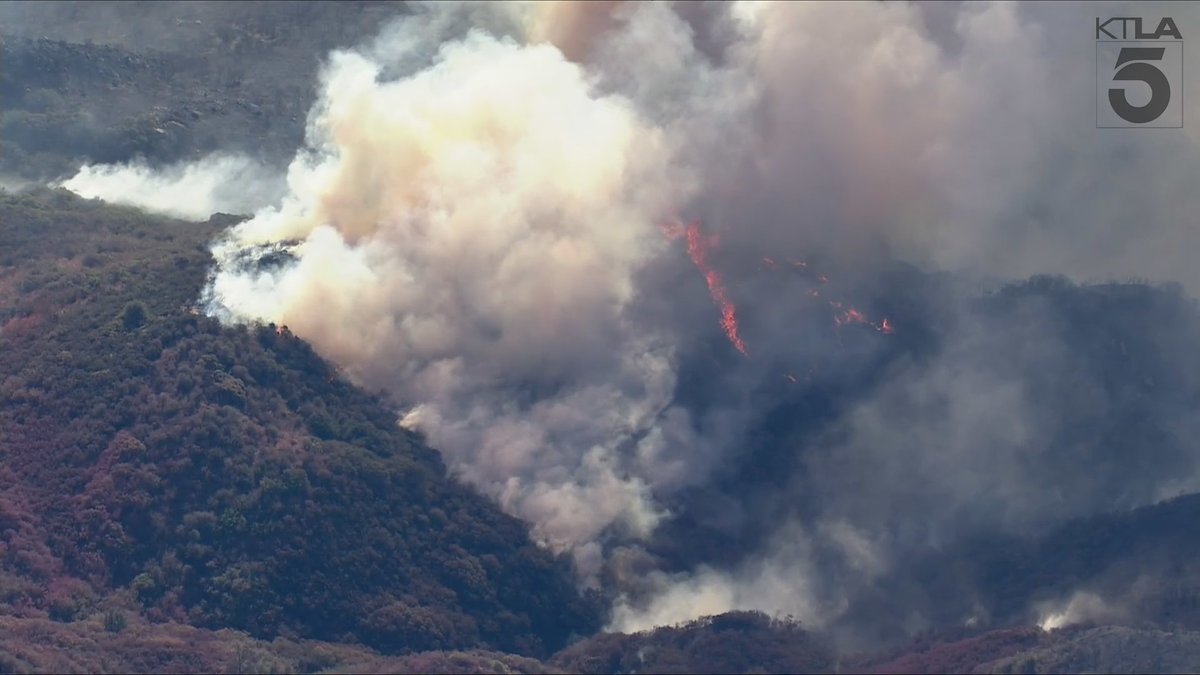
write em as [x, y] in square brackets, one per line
[477, 226]
[468, 236]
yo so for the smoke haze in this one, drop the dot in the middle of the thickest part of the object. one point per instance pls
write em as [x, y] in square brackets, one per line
[480, 224]
[230, 184]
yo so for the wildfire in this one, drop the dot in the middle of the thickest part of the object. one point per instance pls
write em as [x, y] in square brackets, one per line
[851, 315]
[698, 247]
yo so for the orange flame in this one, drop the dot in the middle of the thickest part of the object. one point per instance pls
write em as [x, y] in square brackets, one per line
[852, 315]
[849, 316]
[698, 247]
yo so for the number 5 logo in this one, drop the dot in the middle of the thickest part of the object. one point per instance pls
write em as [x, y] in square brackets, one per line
[1133, 64]
[1139, 83]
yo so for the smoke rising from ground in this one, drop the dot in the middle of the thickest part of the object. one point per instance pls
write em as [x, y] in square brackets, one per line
[1081, 607]
[224, 183]
[468, 238]
[475, 225]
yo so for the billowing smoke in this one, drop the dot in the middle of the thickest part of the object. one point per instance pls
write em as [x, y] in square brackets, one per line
[481, 223]
[467, 236]
[217, 183]
[1080, 608]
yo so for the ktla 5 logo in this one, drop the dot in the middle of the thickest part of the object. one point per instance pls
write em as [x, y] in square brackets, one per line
[1139, 74]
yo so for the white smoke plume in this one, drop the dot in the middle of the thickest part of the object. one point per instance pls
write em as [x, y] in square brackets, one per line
[13, 184]
[1081, 607]
[467, 238]
[782, 581]
[475, 227]
[765, 585]
[217, 183]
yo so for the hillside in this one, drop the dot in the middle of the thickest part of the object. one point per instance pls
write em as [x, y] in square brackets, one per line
[179, 472]
[44, 645]
[226, 477]
[907, 452]
[188, 476]
[82, 82]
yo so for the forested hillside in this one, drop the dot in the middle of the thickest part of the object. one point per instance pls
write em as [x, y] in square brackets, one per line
[226, 477]
[163, 81]
[794, 399]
